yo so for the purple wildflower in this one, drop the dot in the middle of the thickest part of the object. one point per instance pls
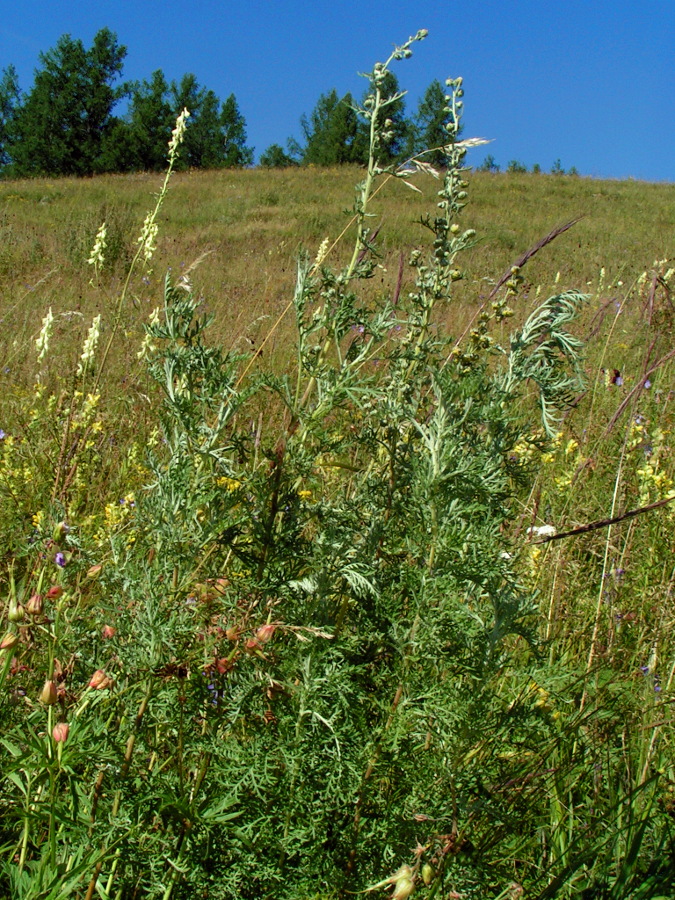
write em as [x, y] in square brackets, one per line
[60, 559]
[3, 435]
[647, 384]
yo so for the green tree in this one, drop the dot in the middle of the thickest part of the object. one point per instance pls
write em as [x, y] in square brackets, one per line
[330, 131]
[489, 164]
[63, 124]
[233, 135]
[275, 157]
[427, 129]
[216, 135]
[514, 167]
[139, 141]
[10, 102]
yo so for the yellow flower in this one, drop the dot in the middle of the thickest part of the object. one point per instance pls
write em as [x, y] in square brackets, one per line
[230, 483]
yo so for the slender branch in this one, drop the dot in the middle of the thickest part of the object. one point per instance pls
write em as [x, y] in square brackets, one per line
[604, 523]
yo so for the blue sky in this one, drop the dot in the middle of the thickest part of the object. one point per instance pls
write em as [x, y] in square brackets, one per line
[591, 83]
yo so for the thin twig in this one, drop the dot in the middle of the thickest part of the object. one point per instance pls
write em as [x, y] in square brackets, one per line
[604, 523]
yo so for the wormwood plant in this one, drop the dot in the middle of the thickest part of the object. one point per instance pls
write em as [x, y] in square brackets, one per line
[283, 673]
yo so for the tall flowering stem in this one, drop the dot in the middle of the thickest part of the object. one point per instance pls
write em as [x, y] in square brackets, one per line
[147, 238]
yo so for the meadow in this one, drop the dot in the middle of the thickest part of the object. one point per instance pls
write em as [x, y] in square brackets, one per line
[291, 604]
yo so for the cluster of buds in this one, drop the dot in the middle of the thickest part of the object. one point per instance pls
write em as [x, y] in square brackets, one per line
[403, 881]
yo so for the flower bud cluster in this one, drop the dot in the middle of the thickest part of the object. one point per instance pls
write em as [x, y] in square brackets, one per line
[97, 256]
[178, 134]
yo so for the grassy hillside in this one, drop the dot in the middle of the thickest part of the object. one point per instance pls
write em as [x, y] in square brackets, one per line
[253, 224]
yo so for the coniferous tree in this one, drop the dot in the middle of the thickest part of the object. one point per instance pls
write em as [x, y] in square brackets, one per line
[10, 102]
[427, 131]
[331, 132]
[67, 116]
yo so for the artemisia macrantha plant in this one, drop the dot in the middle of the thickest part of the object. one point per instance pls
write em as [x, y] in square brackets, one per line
[317, 600]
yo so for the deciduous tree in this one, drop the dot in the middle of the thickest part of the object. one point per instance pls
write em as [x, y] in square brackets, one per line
[68, 114]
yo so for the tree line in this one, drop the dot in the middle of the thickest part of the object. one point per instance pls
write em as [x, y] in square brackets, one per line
[66, 124]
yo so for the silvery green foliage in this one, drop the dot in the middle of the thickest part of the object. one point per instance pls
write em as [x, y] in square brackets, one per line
[357, 540]
[545, 353]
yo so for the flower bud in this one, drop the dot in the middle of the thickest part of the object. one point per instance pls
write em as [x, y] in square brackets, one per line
[60, 732]
[108, 631]
[265, 632]
[94, 571]
[427, 873]
[54, 592]
[48, 695]
[100, 681]
[9, 641]
[15, 613]
[404, 885]
[34, 605]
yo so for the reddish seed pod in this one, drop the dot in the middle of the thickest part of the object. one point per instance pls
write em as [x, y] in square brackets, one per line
[108, 631]
[54, 592]
[100, 681]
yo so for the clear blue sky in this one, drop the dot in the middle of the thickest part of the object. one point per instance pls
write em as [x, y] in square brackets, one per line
[591, 82]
